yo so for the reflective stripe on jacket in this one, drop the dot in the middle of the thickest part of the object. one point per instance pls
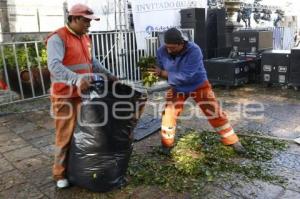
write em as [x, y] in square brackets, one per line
[77, 58]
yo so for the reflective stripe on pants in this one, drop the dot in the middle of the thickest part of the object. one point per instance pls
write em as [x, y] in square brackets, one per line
[207, 102]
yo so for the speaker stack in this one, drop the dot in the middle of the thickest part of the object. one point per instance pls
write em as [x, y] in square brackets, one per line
[295, 68]
[194, 18]
[209, 30]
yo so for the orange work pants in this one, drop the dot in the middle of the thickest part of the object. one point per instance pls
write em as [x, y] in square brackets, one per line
[205, 99]
[65, 117]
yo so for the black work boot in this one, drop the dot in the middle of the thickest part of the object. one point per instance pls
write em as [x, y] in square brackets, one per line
[238, 148]
[165, 150]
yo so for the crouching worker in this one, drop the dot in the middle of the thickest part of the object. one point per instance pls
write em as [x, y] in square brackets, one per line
[69, 57]
[180, 62]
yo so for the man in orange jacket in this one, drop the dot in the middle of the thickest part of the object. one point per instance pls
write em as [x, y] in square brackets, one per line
[180, 62]
[69, 61]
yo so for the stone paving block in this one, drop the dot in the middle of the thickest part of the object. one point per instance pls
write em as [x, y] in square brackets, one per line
[212, 192]
[41, 176]
[3, 121]
[49, 190]
[36, 116]
[283, 133]
[255, 189]
[290, 125]
[10, 179]
[43, 141]
[47, 124]
[199, 124]
[31, 164]
[76, 193]
[20, 127]
[48, 150]
[21, 154]
[4, 130]
[282, 113]
[36, 133]
[9, 119]
[22, 191]
[292, 178]
[12, 144]
[290, 195]
[5, 165]
[294, 148]
[152, 192]
[72, 193]
[288, 160]
[7, 136]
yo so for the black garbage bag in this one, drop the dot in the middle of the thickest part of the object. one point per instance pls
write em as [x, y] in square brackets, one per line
[101, 146]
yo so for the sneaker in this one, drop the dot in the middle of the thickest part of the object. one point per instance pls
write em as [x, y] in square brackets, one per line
[297, 140]
[63, 183]
[238, 148]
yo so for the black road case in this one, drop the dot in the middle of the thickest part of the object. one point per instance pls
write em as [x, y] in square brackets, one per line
[227, 71]
[252, 40]
[275, 67]
[254, 63]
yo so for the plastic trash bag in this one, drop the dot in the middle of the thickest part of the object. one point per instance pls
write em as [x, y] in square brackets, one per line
[101, 146]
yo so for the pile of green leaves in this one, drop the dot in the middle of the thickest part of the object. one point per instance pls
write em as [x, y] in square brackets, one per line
[148, 78]
[199, 157]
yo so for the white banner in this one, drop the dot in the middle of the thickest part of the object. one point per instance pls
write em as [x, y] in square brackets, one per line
[158, 15]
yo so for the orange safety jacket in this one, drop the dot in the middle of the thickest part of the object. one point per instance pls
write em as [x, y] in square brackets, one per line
[77, 58]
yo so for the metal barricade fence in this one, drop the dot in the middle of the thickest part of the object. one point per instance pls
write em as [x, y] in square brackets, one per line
[119, 53]
[23, 70]
[23, 65]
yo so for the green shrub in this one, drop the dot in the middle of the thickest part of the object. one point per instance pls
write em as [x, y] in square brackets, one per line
[148, 78]
[20, 51]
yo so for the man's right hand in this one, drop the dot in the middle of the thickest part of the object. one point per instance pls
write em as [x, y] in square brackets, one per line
[83, 84]
[154, 69]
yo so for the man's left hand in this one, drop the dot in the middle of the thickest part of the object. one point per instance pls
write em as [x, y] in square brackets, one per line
[158, 71]
[113, 78]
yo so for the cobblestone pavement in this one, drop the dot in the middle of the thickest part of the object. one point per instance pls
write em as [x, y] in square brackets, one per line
[27, 135]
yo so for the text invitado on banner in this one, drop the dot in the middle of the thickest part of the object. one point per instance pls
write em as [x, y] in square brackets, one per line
[158, 15]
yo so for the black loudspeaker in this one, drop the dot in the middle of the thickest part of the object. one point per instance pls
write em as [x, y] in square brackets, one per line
[227, 71]
[224, 37]
[218, 41]
[221, 21]
[275, 67]
[209, 30]
[195, 18]
[211, 33]
[295, 67]
[192, 15]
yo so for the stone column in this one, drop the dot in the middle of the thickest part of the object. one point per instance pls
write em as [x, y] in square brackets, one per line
[4, 16]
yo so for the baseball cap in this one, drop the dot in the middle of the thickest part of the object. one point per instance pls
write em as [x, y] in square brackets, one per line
[84, 11]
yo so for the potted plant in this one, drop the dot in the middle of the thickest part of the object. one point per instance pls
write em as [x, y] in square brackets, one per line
[148, 77]
[27, 59]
